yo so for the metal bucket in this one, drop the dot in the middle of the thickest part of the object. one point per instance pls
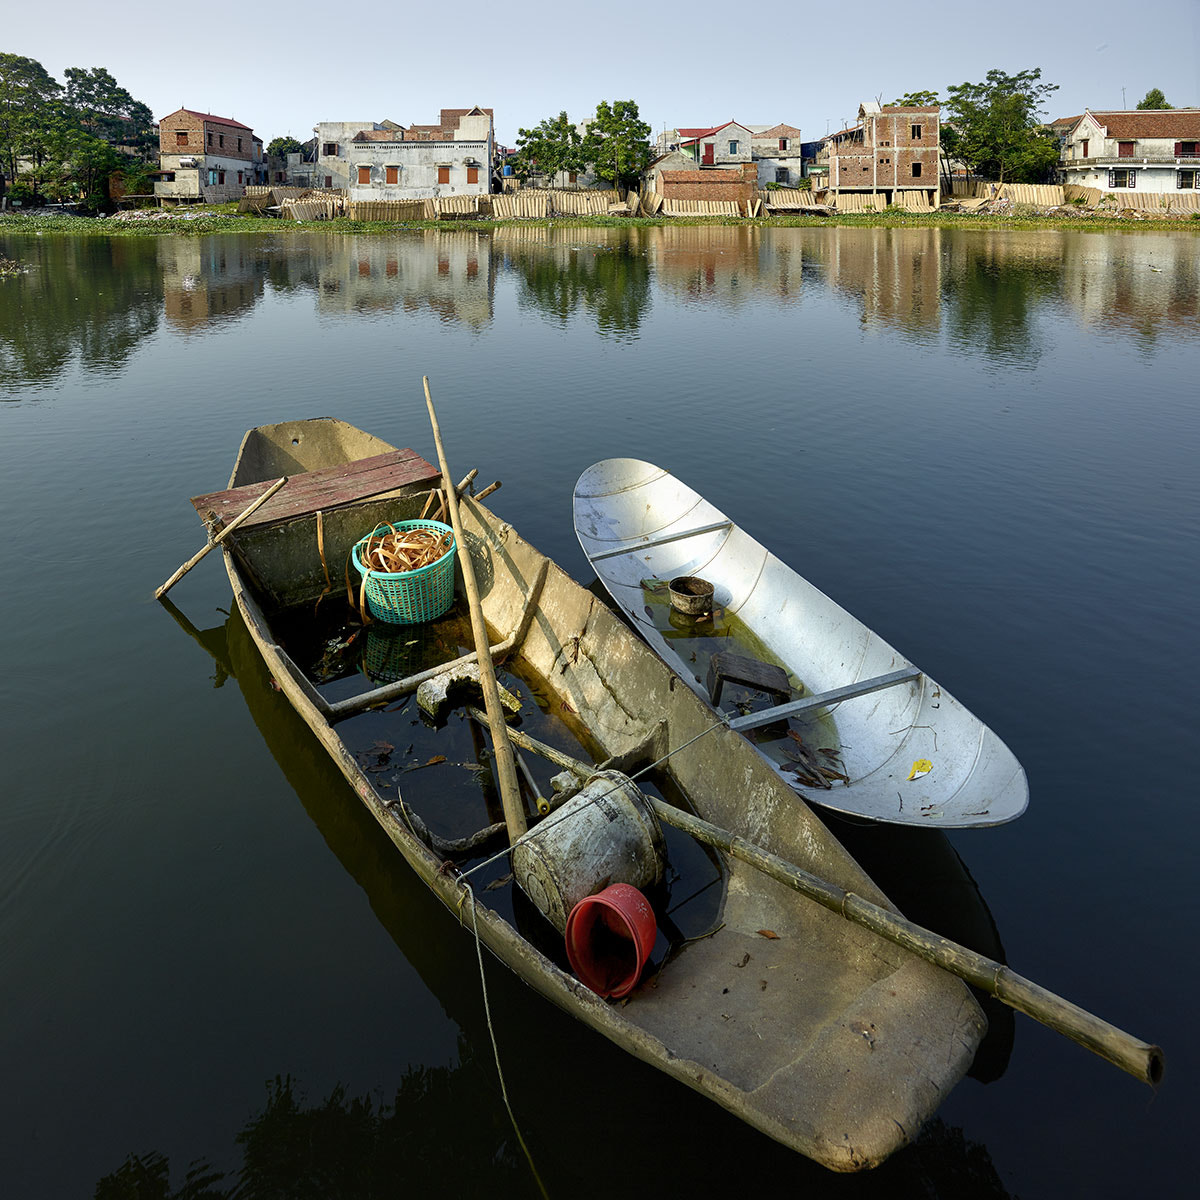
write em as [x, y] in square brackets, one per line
[690, 594]
[608, 833]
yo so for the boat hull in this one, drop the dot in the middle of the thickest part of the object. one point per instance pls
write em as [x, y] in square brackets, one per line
[910, 753]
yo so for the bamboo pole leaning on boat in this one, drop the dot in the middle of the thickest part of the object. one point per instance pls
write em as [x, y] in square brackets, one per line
[506, 769]
[1141, 1059]
[249, 511]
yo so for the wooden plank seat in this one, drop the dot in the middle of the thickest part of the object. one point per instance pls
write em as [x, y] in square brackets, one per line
[326, 489]
[728, 667]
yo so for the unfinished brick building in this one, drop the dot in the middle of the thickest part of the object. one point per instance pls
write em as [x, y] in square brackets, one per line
[891, 155]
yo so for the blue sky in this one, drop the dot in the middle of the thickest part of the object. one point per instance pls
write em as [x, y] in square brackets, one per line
[281, 70]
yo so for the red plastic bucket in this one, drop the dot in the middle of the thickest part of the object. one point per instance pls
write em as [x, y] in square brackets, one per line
[609, 939]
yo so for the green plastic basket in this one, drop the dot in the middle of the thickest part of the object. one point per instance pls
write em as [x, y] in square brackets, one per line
[408, 597]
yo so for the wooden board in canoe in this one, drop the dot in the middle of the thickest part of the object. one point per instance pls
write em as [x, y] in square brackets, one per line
[872, 736]
[823, 1035]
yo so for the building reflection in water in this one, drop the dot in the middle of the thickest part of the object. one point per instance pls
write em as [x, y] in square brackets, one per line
[209, 279]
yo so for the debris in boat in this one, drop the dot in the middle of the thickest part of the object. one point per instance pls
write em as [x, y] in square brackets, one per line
[865, 1030]
[745, 960]
[768, 933]
[496, 884]
[446, 690]
[655, 587]
[921, 767]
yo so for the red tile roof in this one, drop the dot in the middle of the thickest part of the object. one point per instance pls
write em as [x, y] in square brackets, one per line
[1151, 123]
[209, 117]
[778, 131]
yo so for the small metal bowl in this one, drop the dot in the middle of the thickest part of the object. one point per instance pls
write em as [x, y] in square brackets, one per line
[690, 594]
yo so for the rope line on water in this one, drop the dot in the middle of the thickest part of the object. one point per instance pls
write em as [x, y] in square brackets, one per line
[468, 891]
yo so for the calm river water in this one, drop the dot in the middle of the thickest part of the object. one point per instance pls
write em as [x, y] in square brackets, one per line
[986, 445]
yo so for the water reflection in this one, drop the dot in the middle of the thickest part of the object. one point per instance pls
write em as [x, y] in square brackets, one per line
[79, 300]
[95, 300]
[562, 272]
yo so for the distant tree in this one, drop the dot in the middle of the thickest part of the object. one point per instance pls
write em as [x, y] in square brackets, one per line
[552, 146]
[105, 110]
[997, 128]
[917, 100]
[281, 147]
[1154, 99]
[617, 143]
[29, 109]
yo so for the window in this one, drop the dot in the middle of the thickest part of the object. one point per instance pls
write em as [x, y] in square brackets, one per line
[733, 147]
[783, 143]
[239, 143]
[329, 181]
[1083, 148]
[782, 175]
[364, 174]
[210, 139]
[1185, 149]
[212, 177]
[1186, 179]
[181, 137]
[392, 174]
[916, 170]
[329, 149]
[278, 176]
[221, 140]
[1122, 178]
[1125, 149]
[443, 174]
[916, 133]
[473, 175]
[239, 177]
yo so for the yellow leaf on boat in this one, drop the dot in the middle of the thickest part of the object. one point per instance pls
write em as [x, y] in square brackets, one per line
[921, 767]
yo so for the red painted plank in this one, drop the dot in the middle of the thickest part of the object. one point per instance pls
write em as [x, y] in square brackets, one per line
[328, 488]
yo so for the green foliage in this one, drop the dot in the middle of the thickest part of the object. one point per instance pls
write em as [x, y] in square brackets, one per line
[281, 147]
[552, 146]
[997, 126]
[917, 100]
[1154, 99]
[617, 143]
[60, 143]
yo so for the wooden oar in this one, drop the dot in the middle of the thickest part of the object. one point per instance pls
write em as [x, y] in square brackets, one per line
[1139, 1058]
[506, 770]
[191, 562]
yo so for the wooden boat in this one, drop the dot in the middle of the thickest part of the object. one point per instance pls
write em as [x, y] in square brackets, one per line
[820, 1033]
[860, 729]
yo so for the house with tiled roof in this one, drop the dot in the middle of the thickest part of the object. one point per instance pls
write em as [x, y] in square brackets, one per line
[205, 157]
[1143, 150]
[387, 161]
[779, 153]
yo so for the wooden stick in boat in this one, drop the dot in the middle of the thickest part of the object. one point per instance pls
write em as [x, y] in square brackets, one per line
[487, 491]
[1140, 1059]
[247, 512]
[465, 480]
[506, 769]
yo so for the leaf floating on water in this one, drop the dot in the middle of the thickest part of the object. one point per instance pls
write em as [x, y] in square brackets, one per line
[437, 758]
[921, 767]
[503, 881]
[768, 933]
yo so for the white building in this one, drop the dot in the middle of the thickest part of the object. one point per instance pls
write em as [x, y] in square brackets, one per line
[386, 161]
[1144, 150]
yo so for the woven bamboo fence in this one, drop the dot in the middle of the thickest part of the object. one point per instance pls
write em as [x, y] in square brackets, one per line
[583, 204]
[1044, 195]
[786, 199]
[526, 203]
[651, 202]
[913, 201]
[858, 202]
[1157, 202]
[701, 208]
[312, 206]
[390, 210]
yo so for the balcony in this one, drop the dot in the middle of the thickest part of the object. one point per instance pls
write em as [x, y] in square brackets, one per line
[1112, 160]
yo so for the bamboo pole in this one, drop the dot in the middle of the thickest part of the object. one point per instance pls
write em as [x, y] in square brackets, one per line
[1141, 1059]
[506, 771]
[191, 562]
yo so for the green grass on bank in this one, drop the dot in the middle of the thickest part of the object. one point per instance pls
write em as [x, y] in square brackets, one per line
[226, 219]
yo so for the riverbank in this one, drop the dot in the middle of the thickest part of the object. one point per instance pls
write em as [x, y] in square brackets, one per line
[226, 219]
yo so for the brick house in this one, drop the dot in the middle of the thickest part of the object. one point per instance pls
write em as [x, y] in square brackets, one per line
[892, 151]
[204, 157]
[386, 161]
[778, 151]
[1146, 150]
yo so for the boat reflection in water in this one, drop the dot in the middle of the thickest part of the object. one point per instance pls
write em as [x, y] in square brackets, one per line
[457, 1115]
